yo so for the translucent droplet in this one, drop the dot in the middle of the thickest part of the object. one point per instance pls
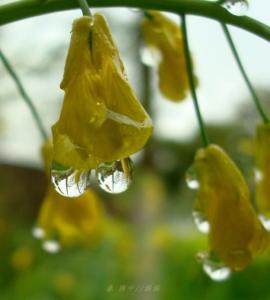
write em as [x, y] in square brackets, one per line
[191, 178]
[258, 175]
[115, 177]
[200, 221]
[236, 7]
[238, 258]
[150, 56]
[265, 221]
[67, 181]
[38, 232]
[214, 268]
[51, 246]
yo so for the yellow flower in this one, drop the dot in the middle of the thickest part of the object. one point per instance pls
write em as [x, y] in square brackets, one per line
[79, 220]
[101, 118]
[236, 234]
[162, 34]
[262, 172]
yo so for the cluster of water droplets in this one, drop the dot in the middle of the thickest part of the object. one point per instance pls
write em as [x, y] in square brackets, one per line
[213, 267]
[115, 177]
[49, 245]
[236, 7]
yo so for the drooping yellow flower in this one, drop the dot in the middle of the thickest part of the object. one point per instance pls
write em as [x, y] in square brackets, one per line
[76, 221]
[101, 118]
[236, 234]
[163, 35]
[262, 172]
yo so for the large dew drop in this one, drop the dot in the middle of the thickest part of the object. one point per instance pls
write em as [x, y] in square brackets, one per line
[236, 7]
[191, 178]
[214, 268]
[67, 181]
[115, 177]
[149, 56]
[200, 221]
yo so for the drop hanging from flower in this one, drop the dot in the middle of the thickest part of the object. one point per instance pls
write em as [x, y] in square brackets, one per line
[69, 182]
[115, 177]
[236, 7]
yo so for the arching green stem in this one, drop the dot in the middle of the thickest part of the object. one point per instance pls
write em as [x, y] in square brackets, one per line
[25, 96]
[28, 8]
[244, 74]
[191, 82]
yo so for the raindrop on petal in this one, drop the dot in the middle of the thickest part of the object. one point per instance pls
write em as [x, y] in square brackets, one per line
[215, 269]
[258, 175]
[69, 182]
[191, 178]
[236, 7]
[51, 246]
[200, 221]
[115, 177]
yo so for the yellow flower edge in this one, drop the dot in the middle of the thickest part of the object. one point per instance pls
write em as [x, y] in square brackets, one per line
[162, 34]
[101, 118]
[262, 172]
[236, 235]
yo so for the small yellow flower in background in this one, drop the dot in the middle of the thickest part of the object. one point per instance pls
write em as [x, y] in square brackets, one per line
[162, 34]
[22, 258]
[236, 235]
[101, 118]
[69, 222]
[262, 172]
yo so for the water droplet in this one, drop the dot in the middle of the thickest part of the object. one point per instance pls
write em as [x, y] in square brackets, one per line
[38, 232]
[200, 221]
[238, 258]
[51, 246]
[115, 177]
[150, 56]
[214, 268]
[265, 221]
[191, 178]
[67, 181]
[236, 7]
[258, 174]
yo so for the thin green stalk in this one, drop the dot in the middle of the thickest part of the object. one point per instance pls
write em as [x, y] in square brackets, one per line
[191, 82]
[244, 74]
[19, 10]
[84, 7]
[24, 96]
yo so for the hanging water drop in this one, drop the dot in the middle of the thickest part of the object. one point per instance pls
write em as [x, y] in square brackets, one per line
[214, 268]
[236, 7]
[51, 246]
[38, 232]
[67, 181]
[150, 56]
[200, 221]
[258, 175]
[265, 222]
[191, 178]
[115, 177]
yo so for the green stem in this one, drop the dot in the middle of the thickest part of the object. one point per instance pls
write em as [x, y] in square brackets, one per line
[29, 8]
[244, 74]
[24, 96]
[191, 82]
[84, 7]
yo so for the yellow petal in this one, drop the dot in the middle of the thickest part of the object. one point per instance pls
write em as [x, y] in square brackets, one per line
[101, 118]
[236, 234]
[262, 172]
[162, 34]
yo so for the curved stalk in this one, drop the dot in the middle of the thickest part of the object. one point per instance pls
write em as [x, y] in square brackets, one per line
[28, 8]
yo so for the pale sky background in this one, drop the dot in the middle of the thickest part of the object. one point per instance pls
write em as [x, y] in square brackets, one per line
[37, 48]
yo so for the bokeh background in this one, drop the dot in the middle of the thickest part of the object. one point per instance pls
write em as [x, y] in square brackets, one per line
[148, 250]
